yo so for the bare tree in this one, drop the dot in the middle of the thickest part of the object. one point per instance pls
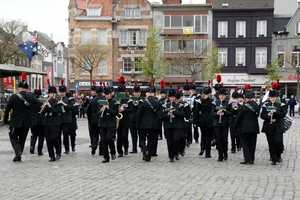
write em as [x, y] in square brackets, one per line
[152, 63]
[87, 57]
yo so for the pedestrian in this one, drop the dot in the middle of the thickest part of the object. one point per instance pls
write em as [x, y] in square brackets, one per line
[21, 119]
[221, 114]
[107, 124]
[273, 113]
[247, 121]
[148, 123]
[37, 128]
[203, 119]
[292, 103]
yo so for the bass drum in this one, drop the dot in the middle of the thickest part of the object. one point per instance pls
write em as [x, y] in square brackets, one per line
[288, 122]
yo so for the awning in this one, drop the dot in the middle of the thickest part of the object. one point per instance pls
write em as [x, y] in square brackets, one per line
[12, 70]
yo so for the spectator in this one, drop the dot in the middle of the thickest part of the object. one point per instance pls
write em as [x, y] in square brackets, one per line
[292, 102]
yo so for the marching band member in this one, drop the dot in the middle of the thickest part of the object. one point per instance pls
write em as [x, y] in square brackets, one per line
[163, 99]
[194, 95]
[221, 114]
[203, 119]
[148, 123]
[52, 124]
[107, 124]
[247, 121]
[73, 125]
[273, 113]
[65, 115]
[37, 128]
[188, 98]
[172, 115]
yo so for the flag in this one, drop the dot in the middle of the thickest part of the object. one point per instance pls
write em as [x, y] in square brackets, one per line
[30, 47]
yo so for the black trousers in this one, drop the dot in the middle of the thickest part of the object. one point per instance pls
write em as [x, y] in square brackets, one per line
[189, 134]
[52, 134]
[160, 130]
[72, 137]
[206, 136]
[37, 131]
[90, 125]
[222, 141]
[182, 140]
[292, 111]
[96, 138]
[65, 128]
[108, 136]
[236, 141]
[249, 146]
[275, 141]
[196, 133]
[151, 135]
[173, 137]
[122, 138]
[17, 138]
[134, 136]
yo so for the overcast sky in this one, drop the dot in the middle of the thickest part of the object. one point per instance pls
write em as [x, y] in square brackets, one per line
[41, 15]
[44, 16]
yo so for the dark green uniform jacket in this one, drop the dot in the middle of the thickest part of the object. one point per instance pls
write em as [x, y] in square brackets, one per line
[21, 115]
[37, 119]
[52, 117]
[109, 116]
[66, 111]
[178, 115]
[148, 118]
[93, 109]
[202, 112]
[226, 113]
[246, 119]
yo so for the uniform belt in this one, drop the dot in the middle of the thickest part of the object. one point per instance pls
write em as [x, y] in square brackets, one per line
[205, 112]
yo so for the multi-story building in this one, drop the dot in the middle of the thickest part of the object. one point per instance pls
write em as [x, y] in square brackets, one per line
[187, 33]
[242, 30]
[91, 21]
[286, 44]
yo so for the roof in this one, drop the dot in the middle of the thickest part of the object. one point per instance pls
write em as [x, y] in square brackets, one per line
[81, 4]
[106, 6]
[284, 7]
[242, 4]
[279, 23]
[12, 70]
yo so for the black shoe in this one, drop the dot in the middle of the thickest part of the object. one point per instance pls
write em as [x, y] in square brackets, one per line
[232, 151]
[159, 137]
[225, 158]
[220, 159]
[18, 158]
[201, 153]
[188, 144]
[52, 160]
[57, 156]
[270, 159]
[67, 152]
[239, 148]
[133, 151]
[126, 152]
[245, 163]
[171, 159]
[145, 156]
[197, 141]
[73, 149]
[251, 162]
[213, 143]
[154, 155]
[207, 156]
[31, 150]
[40, 154]
[105, 160]
[273, 163]
[182, 153]
[120, 155]
[93, 151]
[90, 146]
[279, 160]
[177, 157]
[113, 157]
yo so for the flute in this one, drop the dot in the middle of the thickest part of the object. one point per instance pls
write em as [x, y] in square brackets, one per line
[171, 116]
[271, 115]
[220, 116]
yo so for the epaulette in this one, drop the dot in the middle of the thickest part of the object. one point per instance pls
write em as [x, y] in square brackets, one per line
[180, 105]
[141, 101]
[198, 101]
[130, 100]
[230, 101]
[70, 98]
[164, 105]
[186, 105]
[117, 103]
[214, 102]
[282, 104]
[264, 104]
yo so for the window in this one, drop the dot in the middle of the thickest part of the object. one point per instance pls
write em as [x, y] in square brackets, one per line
[261, 57]
[280, 55]
[85, 66]
[200, 48]
[240, 29]
[72, 67]
[72, 36]
[188, 20]
[222, 56]
[123, 38]
[222, 29]
[102, 37]
[85, 36]
[102, 67]
[178, 70]
[295, 57]
[132, 37]
[137, 13]
[167, 21]
[200, 24]
[143, 38]
[167, 45]
[126, 64]
[94, 12]
[240, 56]
[297, 31]
[261, 28]
[136, 65]
[55, 66]
[176, 21]
[128, 13]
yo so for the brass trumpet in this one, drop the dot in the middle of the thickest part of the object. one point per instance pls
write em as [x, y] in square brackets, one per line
[119, 116]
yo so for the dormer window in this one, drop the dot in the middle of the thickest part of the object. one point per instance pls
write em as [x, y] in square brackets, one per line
[297, 32]
[94, 11]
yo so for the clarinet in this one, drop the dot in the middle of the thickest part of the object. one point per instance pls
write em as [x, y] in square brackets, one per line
[220, 116]
[42, 109]
[171, 116]
[271, 115]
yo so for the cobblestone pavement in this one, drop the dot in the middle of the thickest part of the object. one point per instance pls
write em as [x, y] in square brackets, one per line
[80, 175]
